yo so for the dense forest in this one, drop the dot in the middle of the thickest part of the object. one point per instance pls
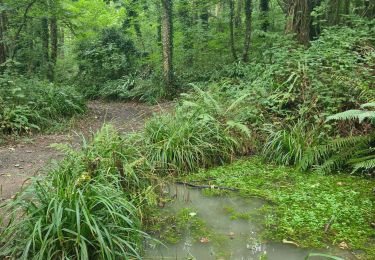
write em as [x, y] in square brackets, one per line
[270, 100]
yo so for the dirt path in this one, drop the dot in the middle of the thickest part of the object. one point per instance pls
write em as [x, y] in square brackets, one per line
[20, 161]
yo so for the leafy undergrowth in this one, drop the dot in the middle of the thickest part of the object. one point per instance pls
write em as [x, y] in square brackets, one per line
[311, 210]
[29, 105]
[88, 207]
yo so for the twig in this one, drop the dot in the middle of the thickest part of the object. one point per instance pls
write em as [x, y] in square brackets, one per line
[327, 226]
[206, 186]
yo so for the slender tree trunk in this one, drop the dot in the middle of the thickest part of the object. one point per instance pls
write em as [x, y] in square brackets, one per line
[369, 9]
[3, 28]
[358, 7]
[315, 27]
[284, 5]
[45, 46]
[167, 41]
[248, 11]
[238, 16]
[334, 12]
[61, 41]
[264, 9]
[231, 29]
[54, 43]
[299, 17]
[186, 22]
[159, 21]
[218, 12]
[347, 7]
[204, 17]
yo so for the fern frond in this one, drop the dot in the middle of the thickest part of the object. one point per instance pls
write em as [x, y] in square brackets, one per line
[361, 115]
[316, 155]
[333, 163]
[367, 105]
[236, 103]
[208, 99]
[366, 115]
[365, 165]
[347, 115]
[350, 141]
[240, 127]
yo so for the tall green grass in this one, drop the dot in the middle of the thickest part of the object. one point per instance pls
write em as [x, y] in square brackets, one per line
[89, 207]
[289, 145]
[203, 132]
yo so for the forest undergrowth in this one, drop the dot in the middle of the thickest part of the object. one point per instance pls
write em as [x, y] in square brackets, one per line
[286, 112]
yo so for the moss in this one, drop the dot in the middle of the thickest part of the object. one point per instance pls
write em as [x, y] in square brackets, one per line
[303, 204]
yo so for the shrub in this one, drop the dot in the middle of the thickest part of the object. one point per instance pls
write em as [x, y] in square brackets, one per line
[31, 104]
[89, 207]
[110, 57]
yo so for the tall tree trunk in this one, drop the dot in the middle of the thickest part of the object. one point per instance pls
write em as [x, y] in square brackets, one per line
[315, 27]
[204, 17]
[299, 17]
[231, 29]
[45, 45]
[3, 28]
[238, 16]
[347, 7]
[167, 41]
[186, 22]
[264, 9]
[61, 41]
[334, 12]
[158, 27]
[54, 43]
[358, 7]
[369, 9]
[248, 11]
[218, 12]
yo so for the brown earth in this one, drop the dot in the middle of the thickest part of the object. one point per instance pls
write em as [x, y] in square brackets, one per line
[19, 161]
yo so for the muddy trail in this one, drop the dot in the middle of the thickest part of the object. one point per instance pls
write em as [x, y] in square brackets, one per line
[19, 161]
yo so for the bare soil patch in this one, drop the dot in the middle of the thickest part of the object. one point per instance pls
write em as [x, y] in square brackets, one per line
[20, 161]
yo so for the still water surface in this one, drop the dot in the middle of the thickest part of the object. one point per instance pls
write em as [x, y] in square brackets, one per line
[241, 236]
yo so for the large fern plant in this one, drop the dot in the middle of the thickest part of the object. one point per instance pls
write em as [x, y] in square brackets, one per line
[356, 153]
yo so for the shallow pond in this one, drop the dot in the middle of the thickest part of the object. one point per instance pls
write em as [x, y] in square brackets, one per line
[235, 223]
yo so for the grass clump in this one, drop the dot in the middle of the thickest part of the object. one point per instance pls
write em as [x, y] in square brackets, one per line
[288, 146]
[202, 132]
[89, 207]
[311, 210]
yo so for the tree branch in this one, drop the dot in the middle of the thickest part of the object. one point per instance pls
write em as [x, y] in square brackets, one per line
[24, 20]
